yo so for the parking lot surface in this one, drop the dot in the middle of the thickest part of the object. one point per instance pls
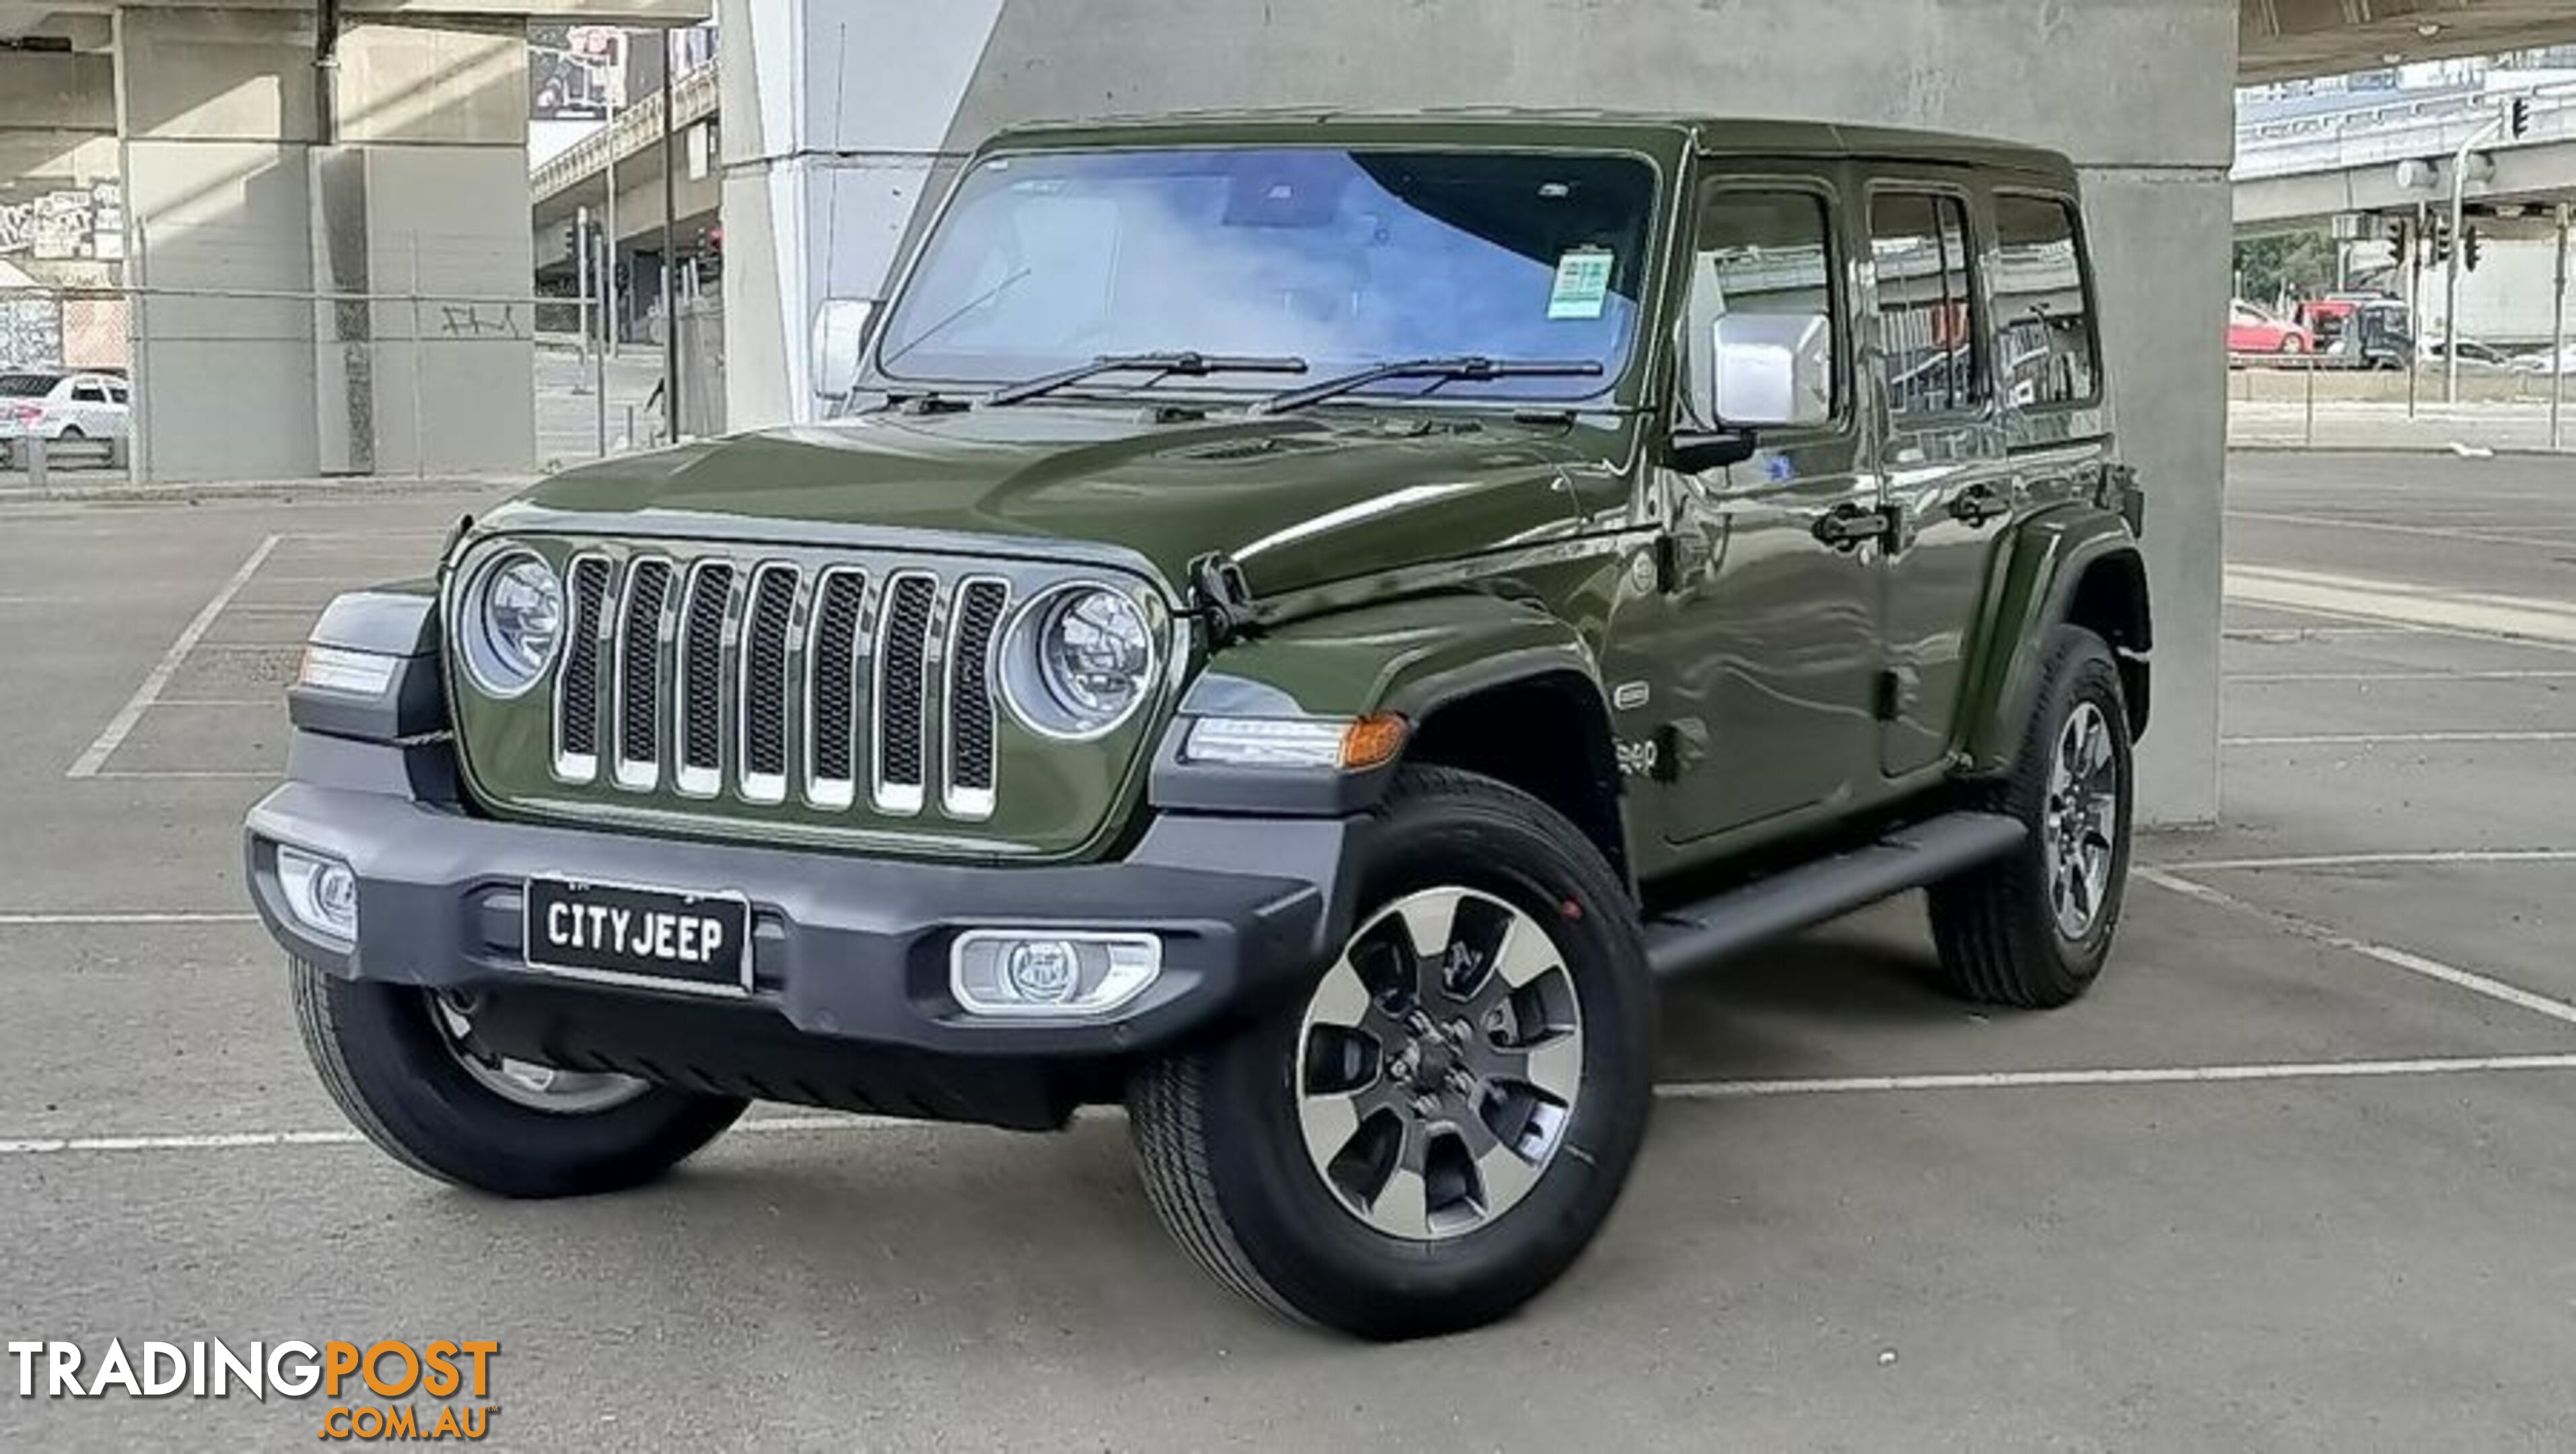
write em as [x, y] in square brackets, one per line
[2292, 1177]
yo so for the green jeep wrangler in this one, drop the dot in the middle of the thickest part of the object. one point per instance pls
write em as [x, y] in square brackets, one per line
[1294, 623]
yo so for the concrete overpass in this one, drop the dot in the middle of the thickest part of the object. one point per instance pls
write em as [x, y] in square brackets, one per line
[563, 184]
[2389, 157]
[290, 177]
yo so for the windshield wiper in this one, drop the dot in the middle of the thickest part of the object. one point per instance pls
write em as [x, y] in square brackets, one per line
[1465, 368]
[1161, 365]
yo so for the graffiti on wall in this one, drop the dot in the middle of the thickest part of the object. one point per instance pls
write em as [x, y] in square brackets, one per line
[66, 223]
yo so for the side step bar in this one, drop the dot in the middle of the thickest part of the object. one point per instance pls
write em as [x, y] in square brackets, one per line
[1910, 858]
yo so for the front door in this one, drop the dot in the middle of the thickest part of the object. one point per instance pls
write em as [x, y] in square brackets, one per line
[1767, 644]
[1948, 487]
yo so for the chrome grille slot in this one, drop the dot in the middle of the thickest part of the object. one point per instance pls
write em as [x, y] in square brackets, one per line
[577, 701]
[766, 632]
[800, 686]
[967, 790]
[831, 690]
[903, 692]
[700, 720]
[642, 624]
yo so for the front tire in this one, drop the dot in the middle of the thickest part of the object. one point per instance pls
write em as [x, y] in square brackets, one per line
[2031, 930]
[402, 1066]
[1431, 1135]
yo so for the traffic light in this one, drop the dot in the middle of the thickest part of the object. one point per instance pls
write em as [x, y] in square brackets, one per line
[2471, 246]
[2437, 239]
[2518, 118]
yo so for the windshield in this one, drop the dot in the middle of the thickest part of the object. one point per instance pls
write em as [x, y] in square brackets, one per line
[1345, 259]
[26, 386]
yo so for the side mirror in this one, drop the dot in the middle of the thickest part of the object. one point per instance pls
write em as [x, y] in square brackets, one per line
[1772, 370]
[840, 341]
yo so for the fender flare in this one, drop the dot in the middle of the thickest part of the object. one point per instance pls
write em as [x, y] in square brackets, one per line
[2031, 591]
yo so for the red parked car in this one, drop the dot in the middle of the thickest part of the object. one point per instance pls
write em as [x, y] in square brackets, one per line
[2251, 330]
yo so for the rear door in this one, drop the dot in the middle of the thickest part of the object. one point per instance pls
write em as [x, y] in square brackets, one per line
[1945, 484]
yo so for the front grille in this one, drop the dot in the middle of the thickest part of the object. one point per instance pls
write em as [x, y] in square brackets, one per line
[764, 680]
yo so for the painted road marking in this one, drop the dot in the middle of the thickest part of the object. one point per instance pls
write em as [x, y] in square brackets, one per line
[135, 706]
[2400, 676]
[129, 916]
[2369, 860]
[2390, 955]
[2369, 739]
[2524, 618]
[2329, 522]
[1705, 1090]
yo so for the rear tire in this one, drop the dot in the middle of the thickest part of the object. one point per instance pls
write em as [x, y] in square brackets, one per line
[1307, 1209]
[2031, 930]
[401, 1079]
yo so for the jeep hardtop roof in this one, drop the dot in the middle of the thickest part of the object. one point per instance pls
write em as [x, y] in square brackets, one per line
[1498, 125]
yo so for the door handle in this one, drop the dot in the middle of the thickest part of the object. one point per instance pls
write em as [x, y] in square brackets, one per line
[1849, 527]
[1978, 505]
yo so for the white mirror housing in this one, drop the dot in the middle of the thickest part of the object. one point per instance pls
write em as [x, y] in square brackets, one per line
[840, 340]
[1772, 370]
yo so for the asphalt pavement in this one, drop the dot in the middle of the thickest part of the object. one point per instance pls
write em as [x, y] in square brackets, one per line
[2291, 1177]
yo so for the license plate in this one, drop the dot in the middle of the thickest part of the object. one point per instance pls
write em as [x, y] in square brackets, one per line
[663, 938]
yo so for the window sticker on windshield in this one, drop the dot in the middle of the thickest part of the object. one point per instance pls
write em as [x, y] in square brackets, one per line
[1582, 283]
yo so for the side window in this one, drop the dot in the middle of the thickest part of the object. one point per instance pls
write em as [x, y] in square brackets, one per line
[88, 393]
[1927, 313]
[1759, 252]
[116, 394]
[2049, 349]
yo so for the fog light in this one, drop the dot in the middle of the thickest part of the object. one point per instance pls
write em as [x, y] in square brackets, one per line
[1050, 972]
[321, 892]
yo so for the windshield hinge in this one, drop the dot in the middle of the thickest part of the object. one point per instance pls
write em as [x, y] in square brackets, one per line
[1222, 599]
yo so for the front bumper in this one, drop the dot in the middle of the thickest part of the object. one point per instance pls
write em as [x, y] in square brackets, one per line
[848, 954]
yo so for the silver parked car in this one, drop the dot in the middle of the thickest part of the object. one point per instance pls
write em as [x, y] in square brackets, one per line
[62, 404]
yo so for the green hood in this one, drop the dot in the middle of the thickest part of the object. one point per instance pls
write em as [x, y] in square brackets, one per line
[1298, 500]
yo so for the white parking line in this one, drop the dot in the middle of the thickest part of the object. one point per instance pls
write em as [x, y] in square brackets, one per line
[1728, 1090]
[2390, 955]
[187, 774]
[122, 723]
[129, 916]
[2400, 676]
[2369, 860]
[278, 701]
[1704, 1090]
[2332, 522]
[2369, 739]
[2528, 619]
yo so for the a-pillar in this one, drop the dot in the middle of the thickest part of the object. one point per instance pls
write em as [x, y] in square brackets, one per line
[322, 237]
[840, 115]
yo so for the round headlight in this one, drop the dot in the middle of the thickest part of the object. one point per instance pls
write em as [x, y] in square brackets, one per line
[1080, 659]
[514, 622]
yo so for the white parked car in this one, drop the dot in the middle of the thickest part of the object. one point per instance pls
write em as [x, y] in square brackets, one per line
[2546, 364]
[62, 404]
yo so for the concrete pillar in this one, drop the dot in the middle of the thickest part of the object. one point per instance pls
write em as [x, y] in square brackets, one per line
[840, 114]
[247, 200]
[61, 218]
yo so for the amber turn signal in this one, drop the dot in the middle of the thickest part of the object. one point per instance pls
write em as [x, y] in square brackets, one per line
[1373, 741]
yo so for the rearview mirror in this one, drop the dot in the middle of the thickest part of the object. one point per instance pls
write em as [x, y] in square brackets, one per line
[840, 340]
[1771, 370]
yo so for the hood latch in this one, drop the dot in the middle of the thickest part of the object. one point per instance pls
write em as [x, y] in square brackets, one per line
[1223, 599]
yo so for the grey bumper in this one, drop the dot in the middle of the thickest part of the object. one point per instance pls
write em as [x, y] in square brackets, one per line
[844, 949]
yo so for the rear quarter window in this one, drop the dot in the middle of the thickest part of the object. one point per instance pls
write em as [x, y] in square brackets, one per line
[2051, 355]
